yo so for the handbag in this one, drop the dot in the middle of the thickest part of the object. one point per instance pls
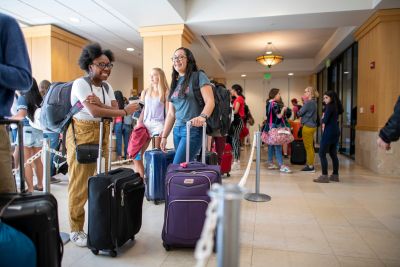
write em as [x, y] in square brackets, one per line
[138, 138]
[277, 136]
[85, 153]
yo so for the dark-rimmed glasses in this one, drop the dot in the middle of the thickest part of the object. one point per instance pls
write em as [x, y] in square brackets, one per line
[104, 65]
[179, 58]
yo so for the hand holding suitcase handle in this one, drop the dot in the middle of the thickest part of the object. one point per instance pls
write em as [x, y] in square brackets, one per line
[204, 141]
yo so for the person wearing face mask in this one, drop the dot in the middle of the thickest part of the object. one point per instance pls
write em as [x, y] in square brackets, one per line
[308, 114]
[330, 137]
[183, 106]
[98, 102]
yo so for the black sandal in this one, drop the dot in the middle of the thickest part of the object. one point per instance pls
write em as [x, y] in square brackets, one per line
[37, 188]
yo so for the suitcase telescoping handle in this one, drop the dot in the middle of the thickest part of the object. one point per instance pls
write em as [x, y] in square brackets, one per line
[20, 148]
[204, 142]
[101, 144]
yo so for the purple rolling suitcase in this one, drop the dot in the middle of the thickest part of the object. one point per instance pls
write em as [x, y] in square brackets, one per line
[156, 168]
[186, 190]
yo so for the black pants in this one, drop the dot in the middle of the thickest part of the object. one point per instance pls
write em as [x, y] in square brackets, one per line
[331, 149]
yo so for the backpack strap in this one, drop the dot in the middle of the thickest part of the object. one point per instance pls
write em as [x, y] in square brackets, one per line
[196, 88]
[104, 85]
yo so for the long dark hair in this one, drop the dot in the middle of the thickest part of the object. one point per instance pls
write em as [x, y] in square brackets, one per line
[33, 99]
[272, 93]
[190, 68]
[335, 101]
[120, 99]
[238, 89]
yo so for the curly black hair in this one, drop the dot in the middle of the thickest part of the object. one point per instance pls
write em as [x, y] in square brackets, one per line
[90, 53]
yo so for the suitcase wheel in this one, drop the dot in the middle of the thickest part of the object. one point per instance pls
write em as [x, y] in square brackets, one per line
[156, 202]
[167, 247]
[95, 251]
[113, 253]
[228, 174]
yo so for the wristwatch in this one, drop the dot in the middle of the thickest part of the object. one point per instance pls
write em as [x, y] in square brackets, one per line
[203, 116]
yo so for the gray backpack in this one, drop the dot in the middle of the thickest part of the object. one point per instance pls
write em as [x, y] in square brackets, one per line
[57, 110]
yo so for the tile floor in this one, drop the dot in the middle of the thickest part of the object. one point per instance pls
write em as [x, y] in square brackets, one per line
[352, 223]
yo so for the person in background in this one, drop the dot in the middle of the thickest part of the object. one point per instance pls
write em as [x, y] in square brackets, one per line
[296, 108]
[33, 138]
[153, 114]
[183, 106]
[275, 112]
[391, 131]
[52, 136]
[118, 122]
[85, 129]
[126, 129]
[44, 87]
[15, 74]
[330, 137]
[308, 114]
[286, 116]
[237, 124]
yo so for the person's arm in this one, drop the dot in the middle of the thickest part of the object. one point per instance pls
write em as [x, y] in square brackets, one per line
[169, 122]
[391, 131]
[208, 96]
[15, 70]
[304, 109]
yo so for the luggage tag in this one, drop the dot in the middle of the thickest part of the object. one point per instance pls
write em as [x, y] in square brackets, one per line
[183, 164]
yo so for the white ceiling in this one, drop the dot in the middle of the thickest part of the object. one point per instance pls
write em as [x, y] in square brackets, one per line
[230, 33]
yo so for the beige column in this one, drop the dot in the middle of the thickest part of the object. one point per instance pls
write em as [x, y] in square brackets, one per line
[159, 44]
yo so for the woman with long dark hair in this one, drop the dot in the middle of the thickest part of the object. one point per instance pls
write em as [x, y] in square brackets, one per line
[330, 137]
[27, 104]
[238, 122]
[275, 118]
[183, 105]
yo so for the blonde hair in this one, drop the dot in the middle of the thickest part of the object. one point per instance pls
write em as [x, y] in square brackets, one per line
[314, 93]
[162, 86]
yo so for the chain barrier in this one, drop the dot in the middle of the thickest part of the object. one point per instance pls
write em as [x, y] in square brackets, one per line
[58, 153]
[205, 245]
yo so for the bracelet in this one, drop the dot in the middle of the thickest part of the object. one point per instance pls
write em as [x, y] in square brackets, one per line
[126, 113]
[163, 137]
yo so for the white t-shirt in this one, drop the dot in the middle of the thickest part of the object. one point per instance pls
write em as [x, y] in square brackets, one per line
[81, 90]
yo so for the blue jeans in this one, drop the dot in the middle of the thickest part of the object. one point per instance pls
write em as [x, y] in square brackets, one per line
[126, 133]
[118, 135]
[180, 143]
[278, 154]
[53, 144]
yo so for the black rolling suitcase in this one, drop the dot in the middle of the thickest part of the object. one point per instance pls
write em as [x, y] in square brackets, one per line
[115, 202]
[35, 215]
[298, 155]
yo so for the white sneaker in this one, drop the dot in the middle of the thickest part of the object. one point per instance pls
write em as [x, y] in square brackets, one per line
[285, 169]
[235, 166]
[78, 238]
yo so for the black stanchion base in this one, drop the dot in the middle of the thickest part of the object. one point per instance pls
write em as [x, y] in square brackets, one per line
[254, 197]
[64, 237]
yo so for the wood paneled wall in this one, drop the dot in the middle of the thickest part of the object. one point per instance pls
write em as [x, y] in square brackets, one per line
[378, 68]
[54, 53]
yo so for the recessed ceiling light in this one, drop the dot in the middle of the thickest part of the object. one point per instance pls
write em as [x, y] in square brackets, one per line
[130, 49]
[290, 73]
[74, 20]
[268, 52]
[346, 72]
[243, 75]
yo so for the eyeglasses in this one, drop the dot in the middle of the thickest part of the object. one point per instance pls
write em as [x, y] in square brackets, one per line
[179, 58]
[103, 65]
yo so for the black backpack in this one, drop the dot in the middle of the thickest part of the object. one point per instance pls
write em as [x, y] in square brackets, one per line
[57, 111]
[219, 122]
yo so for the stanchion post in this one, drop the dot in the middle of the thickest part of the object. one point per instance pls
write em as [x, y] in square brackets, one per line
[46, 164]
[257, 196]
[228, 230]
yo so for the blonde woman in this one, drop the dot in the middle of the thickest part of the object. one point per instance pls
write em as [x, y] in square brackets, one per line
[308, 114]
[153, 114]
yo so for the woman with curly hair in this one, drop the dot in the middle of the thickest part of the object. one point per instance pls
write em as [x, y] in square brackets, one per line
[97, 97]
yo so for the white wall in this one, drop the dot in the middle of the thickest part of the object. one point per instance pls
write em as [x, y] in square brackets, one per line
[121, 78]
[256, 93]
